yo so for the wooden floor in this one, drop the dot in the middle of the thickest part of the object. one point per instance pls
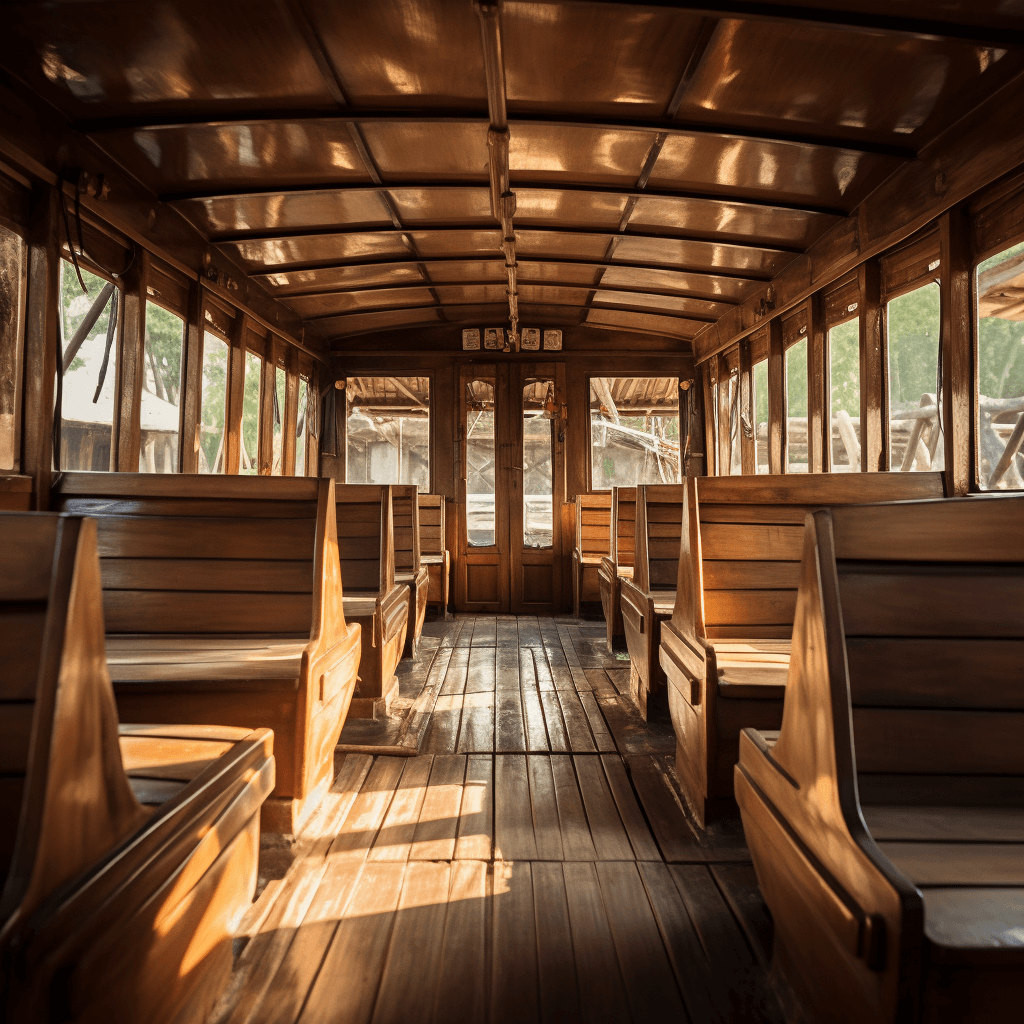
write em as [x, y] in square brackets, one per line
[533, 863]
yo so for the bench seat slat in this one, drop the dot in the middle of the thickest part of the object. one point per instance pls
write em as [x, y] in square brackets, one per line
[967, 824]
[165, 537]
[145, 611]
[210, 575]
[963, 920]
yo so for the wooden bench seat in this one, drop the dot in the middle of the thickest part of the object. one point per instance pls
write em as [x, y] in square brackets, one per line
[648, 597]
[434, 553]
[618, 563]
[885, 819]
[373, 598]
[409, 569]
[126, 861]
[593, 543]
[726, 651]
[223, 605]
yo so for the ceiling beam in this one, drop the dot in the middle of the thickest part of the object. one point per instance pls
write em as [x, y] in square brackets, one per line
[853, 17]
[100, 127]
[709, 272]
[276, 236]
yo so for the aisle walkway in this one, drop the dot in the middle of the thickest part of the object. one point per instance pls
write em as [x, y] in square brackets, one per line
[532, 864]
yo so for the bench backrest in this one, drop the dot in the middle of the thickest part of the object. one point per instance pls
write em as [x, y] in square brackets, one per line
[593, 524]
[203, 554]
[366, 537]
[64, 797]
[623, 533]
[923, 611]
[406, 513]
[659, 512]
[432, 536]
[751, 541]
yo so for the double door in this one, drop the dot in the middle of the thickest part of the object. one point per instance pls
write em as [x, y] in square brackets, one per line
[510, 454]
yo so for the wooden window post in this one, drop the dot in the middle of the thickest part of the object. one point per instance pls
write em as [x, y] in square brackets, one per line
[957, 349]
[873, 424]
[748, 447]
[817, 388]
[235, 395]
[776, 398]
[290, 413]
[192, 379]
[124, 451]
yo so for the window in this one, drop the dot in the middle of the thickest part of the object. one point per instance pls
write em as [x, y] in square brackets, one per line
[735, 467]
[634, 431]
[12, 305]
[88, 326]
[300, 429]
[539, 411]
[844, 395]
[249, 450]
[760, 388]
[796, 407]
[1001, 370]
[480, 463]
[211, 424]
[912, 329]
[388, 429]
[280, 383]
[161, 390]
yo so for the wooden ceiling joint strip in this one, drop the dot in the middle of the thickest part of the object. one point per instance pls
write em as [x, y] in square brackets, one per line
[706, 32]
[295, 11]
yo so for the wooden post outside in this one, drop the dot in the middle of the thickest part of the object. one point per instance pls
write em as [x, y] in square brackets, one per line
[874, 432]
[776, 398]
[192, 380]
[958, 355]
[748, 445]
[268, 371]
[127, 440]
[817, 388]
[40, 369]
[235, 396]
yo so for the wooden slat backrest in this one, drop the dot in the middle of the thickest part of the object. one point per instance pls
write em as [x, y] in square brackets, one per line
[751, 536]
[432, 540]
[623, 525]
[406, 512]
[932, 604]
[659, 511]
[366, 537]
[593, 524]
[184, 554]
[64, 798]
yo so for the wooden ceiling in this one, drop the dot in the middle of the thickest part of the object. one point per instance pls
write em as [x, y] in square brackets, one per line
[666, 160]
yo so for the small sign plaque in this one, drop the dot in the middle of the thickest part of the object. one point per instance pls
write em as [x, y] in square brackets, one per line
[471, 339]
[494, 338]
[553, 341]
[531, 339]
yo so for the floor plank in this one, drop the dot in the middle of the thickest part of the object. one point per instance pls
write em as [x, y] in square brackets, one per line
[577, 844]
[606, 828]
[480, 676]
[394, 840]
[514, 990]
[462, 978]
[455, 676]
[558, 739]
[559, 993]
[437, 828]
[476, 733]
[509, 727]
[476, 811]
[640, 838]
[513, 816]
[547, 833]
[577, 726]
[368, 810]
[668, 822]
[443, 733]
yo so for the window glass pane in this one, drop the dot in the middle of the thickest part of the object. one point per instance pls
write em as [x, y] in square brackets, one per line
[796, 407]
[12, 304]
[844, 397]
[389, 431]
[760, 385]
[161, 390]
[248, 462]
[300, 429]
[480, 463]
[735, 455]
[539, 413]
[912, 330]
[211, 429]
[634, 431]
[279, 390]
[1001, 370]
[89, 336]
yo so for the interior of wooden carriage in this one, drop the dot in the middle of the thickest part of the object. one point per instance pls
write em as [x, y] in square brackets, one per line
[498, 436]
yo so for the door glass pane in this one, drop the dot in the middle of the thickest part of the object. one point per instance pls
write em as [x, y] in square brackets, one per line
[796, 407]
[161, 390]
[211, 428]
[634, 431]
[844, 395]
[760, 386]
[480, 467]
[248, 462]
[388, 431]
[539, 412]
[300, 429]
[279, 388]
[89, 336]
[912, 330]
[1001, 371]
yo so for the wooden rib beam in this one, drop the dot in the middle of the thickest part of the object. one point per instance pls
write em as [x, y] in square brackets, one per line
[979, 149]
[99, 127]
